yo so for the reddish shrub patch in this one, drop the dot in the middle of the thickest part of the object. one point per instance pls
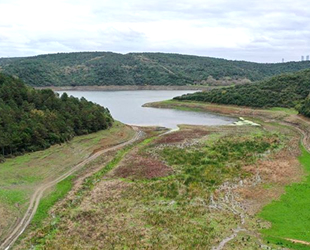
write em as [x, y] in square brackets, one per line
[142, 167]
[181, 136]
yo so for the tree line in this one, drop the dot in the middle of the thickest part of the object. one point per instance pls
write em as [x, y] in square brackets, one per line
[32, 119]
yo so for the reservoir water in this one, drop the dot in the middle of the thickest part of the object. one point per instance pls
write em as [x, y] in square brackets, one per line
[126, 106]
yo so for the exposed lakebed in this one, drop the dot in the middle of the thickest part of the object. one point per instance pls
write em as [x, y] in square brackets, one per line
[126, 106]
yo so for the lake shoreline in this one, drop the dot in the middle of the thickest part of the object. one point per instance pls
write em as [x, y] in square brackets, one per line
[125, 88]
[127, 107]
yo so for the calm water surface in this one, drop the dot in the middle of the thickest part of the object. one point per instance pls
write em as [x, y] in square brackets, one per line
[126, 106]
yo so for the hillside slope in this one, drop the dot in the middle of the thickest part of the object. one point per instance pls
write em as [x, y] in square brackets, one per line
[286, 90]
[106, 68]
[32, 119]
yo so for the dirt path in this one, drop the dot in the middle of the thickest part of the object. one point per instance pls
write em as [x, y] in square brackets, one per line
[36, 197]
[298, 241]
[229, 238]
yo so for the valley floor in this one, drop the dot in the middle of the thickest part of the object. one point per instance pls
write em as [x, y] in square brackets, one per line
[202, 187]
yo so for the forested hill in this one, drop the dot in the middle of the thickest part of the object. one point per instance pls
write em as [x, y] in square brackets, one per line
[106, 68]
[32, 119]
[286, 90]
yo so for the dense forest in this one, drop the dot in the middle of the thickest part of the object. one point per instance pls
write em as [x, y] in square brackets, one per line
[32, 119]
[286, 90]
[106, 68]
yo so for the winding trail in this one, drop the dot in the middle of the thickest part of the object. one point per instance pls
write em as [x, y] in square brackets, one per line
[229, 238]
[36, 197]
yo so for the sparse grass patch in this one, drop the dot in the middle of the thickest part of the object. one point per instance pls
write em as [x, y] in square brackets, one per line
[91, 181]
[210, 165]
[13, 197]
[289, 111]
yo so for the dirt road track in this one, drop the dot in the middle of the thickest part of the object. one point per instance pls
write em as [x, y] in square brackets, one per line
[36, 197]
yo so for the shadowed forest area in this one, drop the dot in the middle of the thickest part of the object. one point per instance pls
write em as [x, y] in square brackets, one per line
[32, 119]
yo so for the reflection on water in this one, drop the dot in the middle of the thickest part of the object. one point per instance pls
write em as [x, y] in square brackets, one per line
[126, 106]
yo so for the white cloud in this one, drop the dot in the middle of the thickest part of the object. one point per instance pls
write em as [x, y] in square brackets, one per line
[245, 30]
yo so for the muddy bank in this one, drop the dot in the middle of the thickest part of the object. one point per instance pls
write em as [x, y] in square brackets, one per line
[125, 87]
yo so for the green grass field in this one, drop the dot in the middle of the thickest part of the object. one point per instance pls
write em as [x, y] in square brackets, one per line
[290, 216]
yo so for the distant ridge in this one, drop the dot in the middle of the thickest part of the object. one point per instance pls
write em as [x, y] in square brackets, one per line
[108, 68]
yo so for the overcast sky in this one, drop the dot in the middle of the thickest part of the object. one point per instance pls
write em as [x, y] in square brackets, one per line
[252, 30]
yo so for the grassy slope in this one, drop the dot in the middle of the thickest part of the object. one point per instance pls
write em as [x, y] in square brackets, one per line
[105, 68]
[290, 215]
[20, 176]
[231, 110]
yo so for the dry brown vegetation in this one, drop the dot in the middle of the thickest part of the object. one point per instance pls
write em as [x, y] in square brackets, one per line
[134, 206]
[276, 172]
[188, 133]
[140, 164]
[137, 166]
